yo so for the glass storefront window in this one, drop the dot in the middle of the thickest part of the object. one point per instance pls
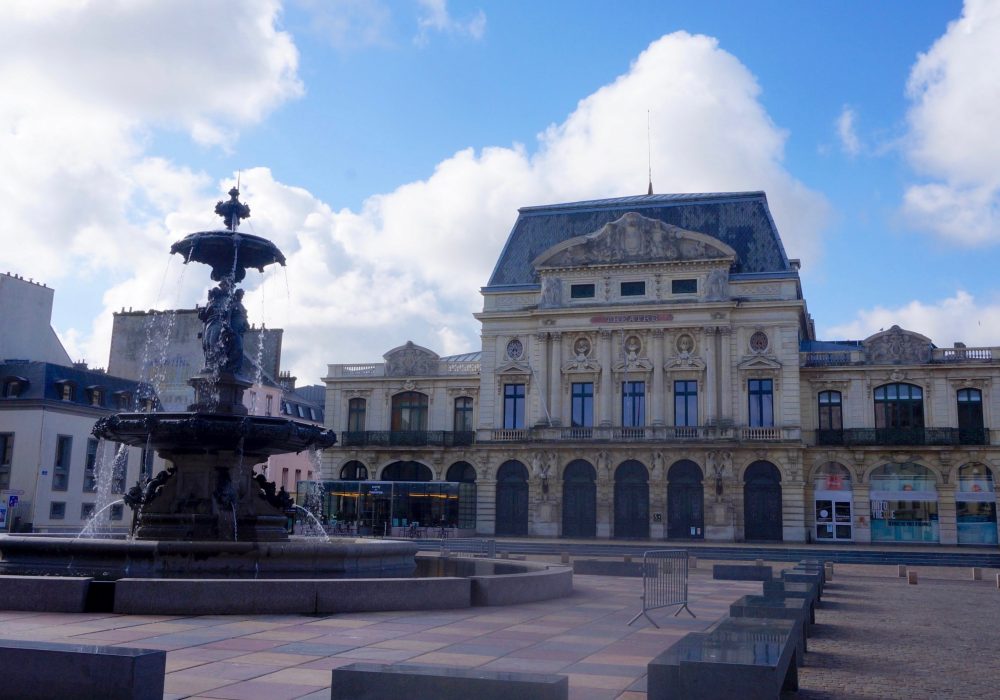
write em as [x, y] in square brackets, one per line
[975, 505]
[375, 507]
[833, 501]
[904, 504]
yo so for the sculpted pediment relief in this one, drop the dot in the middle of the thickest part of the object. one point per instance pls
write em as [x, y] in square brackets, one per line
[897, 346]
[635, 239]
[410, 360]
[758, 362]
[684, 362]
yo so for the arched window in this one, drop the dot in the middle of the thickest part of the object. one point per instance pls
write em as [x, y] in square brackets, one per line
[409, 411]
[899, 406]
[463, 414]
[407, 471]
[356, 415]
[354, 471]
[462, 472]
[970, 417]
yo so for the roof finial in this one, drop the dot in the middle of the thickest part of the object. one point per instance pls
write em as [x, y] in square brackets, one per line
[649, 155]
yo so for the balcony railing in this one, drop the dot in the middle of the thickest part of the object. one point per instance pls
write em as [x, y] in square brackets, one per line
[406, 438]
[627, 434]
[904, 436]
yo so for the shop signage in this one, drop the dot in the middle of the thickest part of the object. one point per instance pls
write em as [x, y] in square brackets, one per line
[631, 319]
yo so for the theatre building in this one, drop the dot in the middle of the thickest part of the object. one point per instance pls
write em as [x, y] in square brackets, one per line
[649, 369]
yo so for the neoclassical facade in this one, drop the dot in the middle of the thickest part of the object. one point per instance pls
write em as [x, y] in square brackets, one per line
[649, 369]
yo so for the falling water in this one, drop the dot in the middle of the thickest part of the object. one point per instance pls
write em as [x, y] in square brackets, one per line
[236, 537]
[90, 529]
[316, 527]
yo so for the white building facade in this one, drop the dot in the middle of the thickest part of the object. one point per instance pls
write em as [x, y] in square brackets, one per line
[649, 369]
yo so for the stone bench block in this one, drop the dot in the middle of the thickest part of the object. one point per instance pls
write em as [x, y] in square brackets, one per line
[599, 567]
[46, 670]
[788, 589]
[367, 681]
[741, 572]
[800, 576]
[746, 658]
[44, 593]
[796, 609]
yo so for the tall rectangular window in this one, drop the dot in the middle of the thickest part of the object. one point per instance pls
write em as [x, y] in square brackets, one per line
[60, 470]
[830, 411]
[685, 403]
[269, 409]
[57, 510]
[513, 406]
[582, 394]
[6, 456]
[409, 411]
[761, 396]
[90, 467]
[463, 414]
[633, 404]
[356, 415]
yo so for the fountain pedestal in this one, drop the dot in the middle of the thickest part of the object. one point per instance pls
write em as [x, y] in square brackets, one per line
[220, 393]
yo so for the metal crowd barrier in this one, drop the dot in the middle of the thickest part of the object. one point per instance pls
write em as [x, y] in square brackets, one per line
[470, 547]
[664, 582]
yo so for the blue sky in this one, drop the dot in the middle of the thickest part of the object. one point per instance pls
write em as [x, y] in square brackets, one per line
[386, 146]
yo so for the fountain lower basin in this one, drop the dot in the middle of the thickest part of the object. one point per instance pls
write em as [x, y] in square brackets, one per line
[109, 560]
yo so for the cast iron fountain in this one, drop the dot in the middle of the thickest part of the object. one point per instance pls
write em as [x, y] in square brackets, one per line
[208, 514]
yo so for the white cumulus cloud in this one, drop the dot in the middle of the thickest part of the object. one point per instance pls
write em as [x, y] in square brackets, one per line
[847, 132]
[434, 17]
[960, 318]
[952, 138]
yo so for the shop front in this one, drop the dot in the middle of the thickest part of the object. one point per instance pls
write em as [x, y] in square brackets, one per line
[904, 504]
[976, 505]
[388, 508]
[833, 504]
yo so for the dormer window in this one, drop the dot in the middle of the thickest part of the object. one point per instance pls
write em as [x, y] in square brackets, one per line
[122, 400]
[684, 286]
[14, 387]
[96, 395]
[66, 390]
[633, 289]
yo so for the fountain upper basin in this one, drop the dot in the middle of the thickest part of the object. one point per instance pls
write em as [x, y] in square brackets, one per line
[202, 433]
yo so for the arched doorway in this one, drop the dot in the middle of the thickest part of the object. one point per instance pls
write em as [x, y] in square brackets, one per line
[632, 500]
[512, 500]
[832, 503]
[762, 502]
[685, 502]
[579, 502]
[464, 474]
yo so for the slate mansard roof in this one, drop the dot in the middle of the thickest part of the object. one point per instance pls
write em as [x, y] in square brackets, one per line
[742, 220]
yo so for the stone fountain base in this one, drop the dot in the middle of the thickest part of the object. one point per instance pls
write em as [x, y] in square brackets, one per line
[298, 558]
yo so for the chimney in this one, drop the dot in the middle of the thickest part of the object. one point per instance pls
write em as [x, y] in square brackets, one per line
[287, 381]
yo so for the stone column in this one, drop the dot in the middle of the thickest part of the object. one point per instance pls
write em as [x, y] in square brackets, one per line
[708, 352]
[541, 361]
[947, 514]
[607, 371]
[726, 392]
[656, 355]
[861, 506]
[555, 378]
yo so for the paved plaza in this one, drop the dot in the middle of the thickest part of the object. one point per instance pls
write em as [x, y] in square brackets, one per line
[876, 637]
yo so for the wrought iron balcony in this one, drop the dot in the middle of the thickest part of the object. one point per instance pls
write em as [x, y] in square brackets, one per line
[407, 438]
[903, 436]
[630, 434]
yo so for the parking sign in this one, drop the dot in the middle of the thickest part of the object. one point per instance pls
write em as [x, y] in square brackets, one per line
[11, 501]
